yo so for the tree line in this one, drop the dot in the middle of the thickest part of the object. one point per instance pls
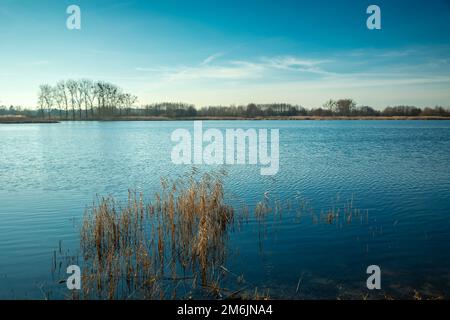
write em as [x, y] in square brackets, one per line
[332, 108]
[85, 99]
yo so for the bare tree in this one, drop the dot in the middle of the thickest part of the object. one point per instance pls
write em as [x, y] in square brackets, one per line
[45, 98]
[58, 99]
[121, 102]
[86, 87]
[41, 102]
[129, 100]
[61, 92]
[79, 98]
[100, 93]
[330, 105]
[345, 107]
[112, 93]
[72, 86]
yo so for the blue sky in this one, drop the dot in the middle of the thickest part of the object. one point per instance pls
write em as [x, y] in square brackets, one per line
[231, 52]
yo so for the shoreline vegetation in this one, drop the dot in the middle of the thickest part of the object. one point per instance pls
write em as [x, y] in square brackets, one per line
[88, 100]
[30, 120]
[24, 119]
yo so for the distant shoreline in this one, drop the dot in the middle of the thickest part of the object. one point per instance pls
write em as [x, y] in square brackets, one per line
[20, 120]
[299, 118]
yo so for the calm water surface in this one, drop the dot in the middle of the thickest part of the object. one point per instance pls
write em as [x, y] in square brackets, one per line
[398, 170]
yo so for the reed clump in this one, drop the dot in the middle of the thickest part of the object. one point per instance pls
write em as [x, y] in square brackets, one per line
[141, 249]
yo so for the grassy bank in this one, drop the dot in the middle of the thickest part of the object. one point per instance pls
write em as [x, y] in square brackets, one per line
[151, 118]
[23, 119]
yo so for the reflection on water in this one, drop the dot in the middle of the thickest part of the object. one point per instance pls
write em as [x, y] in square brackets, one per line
[397, 170]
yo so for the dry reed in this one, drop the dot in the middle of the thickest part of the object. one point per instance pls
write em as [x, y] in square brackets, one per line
[140, 249]
[176, 245]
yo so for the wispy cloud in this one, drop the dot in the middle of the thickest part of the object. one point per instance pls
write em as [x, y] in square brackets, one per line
[296, 64]
[291, 62]
[235, 70]
[239, 69]
[212, 57]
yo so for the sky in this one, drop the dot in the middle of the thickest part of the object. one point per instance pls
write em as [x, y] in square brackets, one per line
[231, 52]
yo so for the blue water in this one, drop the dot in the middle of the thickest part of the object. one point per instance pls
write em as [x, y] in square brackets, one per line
[397, 170]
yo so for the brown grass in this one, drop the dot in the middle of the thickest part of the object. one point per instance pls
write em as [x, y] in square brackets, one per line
[141, 248]
[13, 119]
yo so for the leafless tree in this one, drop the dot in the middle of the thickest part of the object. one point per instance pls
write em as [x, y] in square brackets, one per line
[57, 98]
[72, 86]
[79, 98]
[129, 100]
[45, 98]
[62, 94]
[86, 87]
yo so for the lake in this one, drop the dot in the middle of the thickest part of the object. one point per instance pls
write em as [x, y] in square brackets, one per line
[396, 170]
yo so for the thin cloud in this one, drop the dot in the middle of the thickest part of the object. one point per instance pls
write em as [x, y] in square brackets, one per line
[238, 69]
[232, 71]
[296, 64]
[212, 57]
[288, 62]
